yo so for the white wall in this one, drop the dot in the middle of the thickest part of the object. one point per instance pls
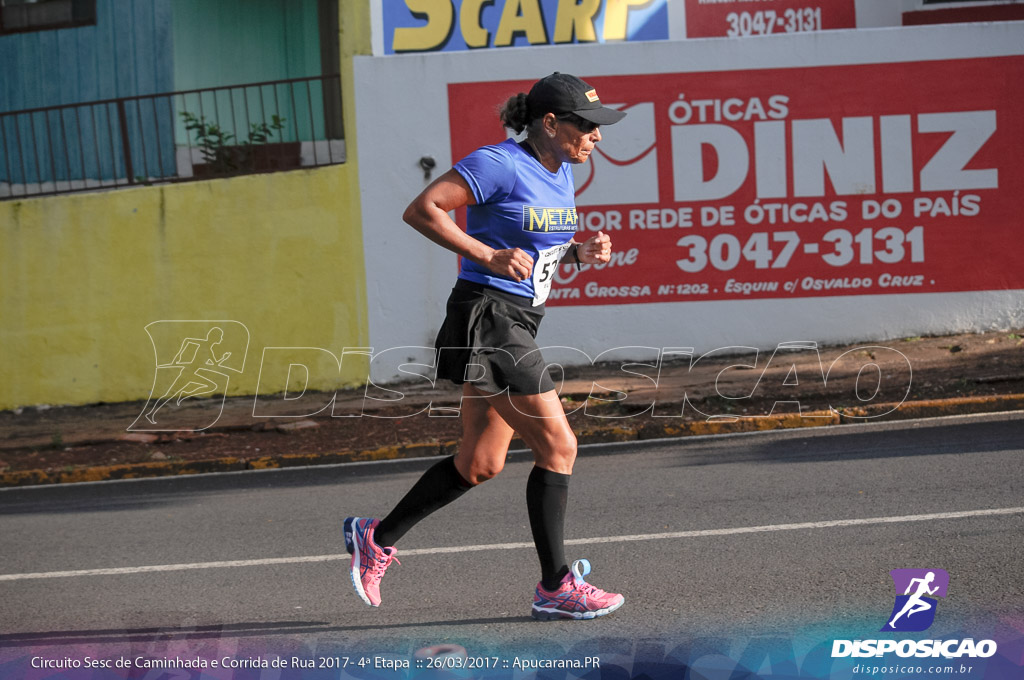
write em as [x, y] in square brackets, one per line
[882, 13]
[402, 115]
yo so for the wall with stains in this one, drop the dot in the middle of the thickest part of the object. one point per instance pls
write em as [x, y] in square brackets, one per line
[84, 277]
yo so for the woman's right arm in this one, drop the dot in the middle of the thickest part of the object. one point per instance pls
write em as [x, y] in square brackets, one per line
[428, 214]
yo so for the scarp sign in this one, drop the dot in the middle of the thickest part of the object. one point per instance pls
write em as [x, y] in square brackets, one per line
[451, 25]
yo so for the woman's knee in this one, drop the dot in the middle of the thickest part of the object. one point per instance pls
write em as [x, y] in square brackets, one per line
[558, 452]
[479, 471]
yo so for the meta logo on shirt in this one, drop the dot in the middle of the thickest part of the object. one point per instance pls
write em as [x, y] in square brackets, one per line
[549, 219]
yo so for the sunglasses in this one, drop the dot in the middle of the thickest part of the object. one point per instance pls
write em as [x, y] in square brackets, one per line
[585, 126]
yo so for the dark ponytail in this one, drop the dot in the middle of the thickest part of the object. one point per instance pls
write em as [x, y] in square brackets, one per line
[515, 113]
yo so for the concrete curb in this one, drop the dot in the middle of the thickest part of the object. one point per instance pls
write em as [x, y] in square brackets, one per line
[613, 433]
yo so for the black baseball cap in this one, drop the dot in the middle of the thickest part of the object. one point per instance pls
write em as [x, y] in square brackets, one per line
[564, 93]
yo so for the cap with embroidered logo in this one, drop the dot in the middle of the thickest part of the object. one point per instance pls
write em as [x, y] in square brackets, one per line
[564, 93]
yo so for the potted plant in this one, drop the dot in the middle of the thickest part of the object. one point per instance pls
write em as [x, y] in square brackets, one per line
[255, 154]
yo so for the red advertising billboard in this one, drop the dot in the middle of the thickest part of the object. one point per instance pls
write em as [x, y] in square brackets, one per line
[794, 182]
[742, 18]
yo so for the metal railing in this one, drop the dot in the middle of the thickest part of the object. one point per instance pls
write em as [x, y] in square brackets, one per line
[169, 137]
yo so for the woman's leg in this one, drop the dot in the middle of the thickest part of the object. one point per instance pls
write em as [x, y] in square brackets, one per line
[482, 452]
[481, 456]
[485, 438]
[562, 593]
[540, 421]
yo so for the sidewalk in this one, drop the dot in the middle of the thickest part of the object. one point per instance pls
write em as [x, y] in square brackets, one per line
[779, 388]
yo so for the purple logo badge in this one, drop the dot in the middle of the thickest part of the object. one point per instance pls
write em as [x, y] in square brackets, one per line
[915, 605]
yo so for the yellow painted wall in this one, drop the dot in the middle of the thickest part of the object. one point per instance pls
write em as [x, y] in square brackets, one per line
[82, 275]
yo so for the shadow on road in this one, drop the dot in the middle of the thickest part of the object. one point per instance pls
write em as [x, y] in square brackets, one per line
[829, 444]
[222, 631]
[826, 444]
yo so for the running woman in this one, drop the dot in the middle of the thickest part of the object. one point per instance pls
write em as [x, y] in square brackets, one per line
[521, 219]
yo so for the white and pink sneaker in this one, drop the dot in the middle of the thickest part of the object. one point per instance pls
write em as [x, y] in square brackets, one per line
[575, 598]
[369, 560]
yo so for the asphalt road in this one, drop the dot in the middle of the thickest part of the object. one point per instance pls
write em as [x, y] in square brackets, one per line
[746, 535]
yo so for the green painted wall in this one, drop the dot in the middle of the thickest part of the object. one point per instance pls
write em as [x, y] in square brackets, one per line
[222, 42]
[219, 43]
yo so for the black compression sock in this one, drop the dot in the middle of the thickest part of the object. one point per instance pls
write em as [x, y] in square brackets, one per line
[546, 495]
[439, 486]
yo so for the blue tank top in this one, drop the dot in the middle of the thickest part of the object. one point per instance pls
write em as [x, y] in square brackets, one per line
[519, 204]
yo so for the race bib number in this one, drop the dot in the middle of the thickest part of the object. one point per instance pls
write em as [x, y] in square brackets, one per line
[544, 271]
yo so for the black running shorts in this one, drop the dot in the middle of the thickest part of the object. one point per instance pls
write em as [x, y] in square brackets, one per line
[488, 340]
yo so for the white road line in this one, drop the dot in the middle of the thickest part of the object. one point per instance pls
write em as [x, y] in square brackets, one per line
[826, 524]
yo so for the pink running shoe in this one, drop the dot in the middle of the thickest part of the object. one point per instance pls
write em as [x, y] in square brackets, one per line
[369, 561]
[575, 598]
